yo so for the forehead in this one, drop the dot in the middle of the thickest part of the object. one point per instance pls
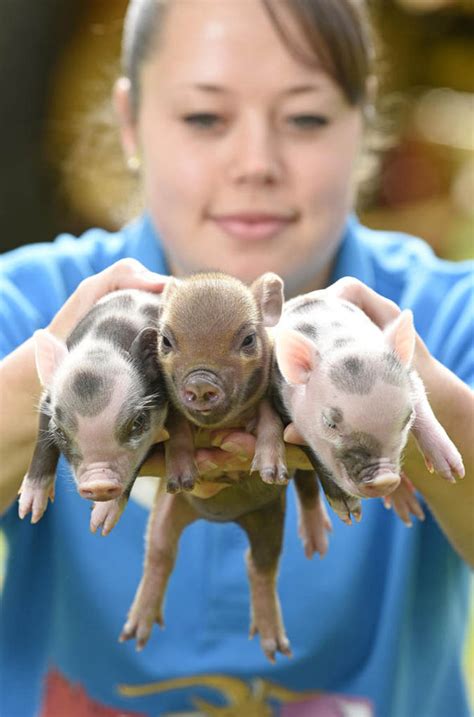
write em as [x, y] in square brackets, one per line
[215, 43]
[210, 306]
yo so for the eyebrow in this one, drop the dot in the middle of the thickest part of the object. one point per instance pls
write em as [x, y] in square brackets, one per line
[219, 89]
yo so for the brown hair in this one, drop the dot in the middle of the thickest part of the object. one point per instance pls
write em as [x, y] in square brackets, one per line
[337, 36]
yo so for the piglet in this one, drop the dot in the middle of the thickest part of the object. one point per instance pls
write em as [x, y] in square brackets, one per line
[353, 395]
[216, 358]
[104, 402]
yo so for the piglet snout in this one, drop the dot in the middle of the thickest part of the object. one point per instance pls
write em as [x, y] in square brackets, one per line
[382, 484]
[100, 485]
[201, 391]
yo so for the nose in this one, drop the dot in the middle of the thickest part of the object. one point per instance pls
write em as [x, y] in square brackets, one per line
[255, 158]
[381, 485]
[201, 393]
[100, 489]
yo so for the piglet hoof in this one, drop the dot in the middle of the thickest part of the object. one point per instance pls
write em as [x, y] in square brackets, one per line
[34, 497]
[271, 644]
[106, 514]
[181, 473]
[176, 484]
[404, 502]
[139, 626]
[444, 458]
[273, 473]
[347, 507]
[314, 525]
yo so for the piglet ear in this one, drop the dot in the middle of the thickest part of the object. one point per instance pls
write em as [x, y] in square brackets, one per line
[50, 352]
[268, 292]
[296, 355]
[401, 335]
[170, 288]
[144, 350]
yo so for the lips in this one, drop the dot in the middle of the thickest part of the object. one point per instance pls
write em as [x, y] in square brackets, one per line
[252, 225]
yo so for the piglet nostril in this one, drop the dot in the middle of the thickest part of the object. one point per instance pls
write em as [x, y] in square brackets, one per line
[211, 396]
[189, 396]
[200, 394]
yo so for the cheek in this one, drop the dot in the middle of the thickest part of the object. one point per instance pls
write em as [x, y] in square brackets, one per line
[328, 172]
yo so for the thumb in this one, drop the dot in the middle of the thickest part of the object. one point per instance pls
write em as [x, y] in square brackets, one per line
[291, 435]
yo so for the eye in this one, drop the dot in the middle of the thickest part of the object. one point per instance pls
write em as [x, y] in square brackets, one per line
[328, 423]
[138, 425]
[166, 343]
[203, 120]
[249, 341]
[308, 121]
[59, 434]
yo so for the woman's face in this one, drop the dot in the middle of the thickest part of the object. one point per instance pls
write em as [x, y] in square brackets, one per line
[247, 155]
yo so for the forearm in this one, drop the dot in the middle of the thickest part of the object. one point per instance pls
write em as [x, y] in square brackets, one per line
[453, 404]
[19, 396]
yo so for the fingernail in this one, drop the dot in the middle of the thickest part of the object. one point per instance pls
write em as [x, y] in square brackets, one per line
[231, 447]
[207, 466]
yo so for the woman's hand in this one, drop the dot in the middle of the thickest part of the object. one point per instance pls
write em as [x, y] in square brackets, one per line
[124, 274]
[223, 451]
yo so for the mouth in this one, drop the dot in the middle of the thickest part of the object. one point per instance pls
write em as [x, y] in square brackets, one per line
[253, 226]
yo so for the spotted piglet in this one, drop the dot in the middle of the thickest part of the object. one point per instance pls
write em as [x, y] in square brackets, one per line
[104, 402]
[353, 395]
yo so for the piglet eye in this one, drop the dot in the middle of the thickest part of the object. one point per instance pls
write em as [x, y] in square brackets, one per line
[138, 425]
[60, 435]
[166, 343]
[249, 341]
[328, 423]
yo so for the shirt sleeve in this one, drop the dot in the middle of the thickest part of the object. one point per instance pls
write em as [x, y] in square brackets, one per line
[451, 334]
[36, 280]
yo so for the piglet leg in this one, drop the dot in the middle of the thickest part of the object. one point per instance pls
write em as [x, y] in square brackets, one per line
[269, 458]
[440, 453]
[264, 528]
[181, 468]
[313, 520]
[106, 514]
[38, 483]
[169, 516]
[343, 504]
[404, 501]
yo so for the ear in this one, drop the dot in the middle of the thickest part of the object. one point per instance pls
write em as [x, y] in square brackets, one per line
[170, 287]
[50, 352]
[296, 355]
[268, 292]
[124, 111]
[144, 351]
[400, 336]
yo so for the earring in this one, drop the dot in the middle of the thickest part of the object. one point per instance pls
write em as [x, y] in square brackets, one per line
[134, 163]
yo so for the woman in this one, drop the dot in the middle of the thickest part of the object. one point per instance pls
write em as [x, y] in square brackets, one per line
[247, 120]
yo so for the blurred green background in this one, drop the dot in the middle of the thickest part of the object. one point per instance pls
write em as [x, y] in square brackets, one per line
[58, 59]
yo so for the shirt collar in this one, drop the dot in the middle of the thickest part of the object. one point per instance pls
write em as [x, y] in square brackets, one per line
[352, 258]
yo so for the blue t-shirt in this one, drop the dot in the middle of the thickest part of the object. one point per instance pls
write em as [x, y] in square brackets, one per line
[376, 627]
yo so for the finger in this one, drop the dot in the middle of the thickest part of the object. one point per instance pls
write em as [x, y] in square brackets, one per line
[161, 435]
[236, 442]
[382, 311]
[291, 435]
[207, 489]
[123, 274]
[214, 459]
[155, 464]
[297, 459]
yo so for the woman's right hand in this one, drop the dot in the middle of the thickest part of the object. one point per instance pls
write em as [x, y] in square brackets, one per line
[124, 274]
